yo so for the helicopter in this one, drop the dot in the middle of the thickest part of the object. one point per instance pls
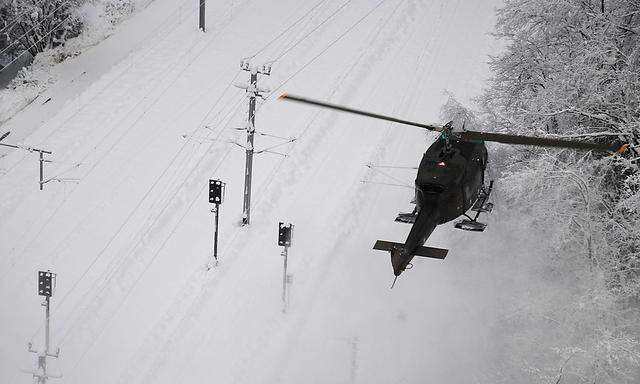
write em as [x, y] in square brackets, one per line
[450, 181]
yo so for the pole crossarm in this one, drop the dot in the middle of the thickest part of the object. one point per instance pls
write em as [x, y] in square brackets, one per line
[41, 152]
[26, 148]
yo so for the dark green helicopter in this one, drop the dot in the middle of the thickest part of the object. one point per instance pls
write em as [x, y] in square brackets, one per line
[450, 181]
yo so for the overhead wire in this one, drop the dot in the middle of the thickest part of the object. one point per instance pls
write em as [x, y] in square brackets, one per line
[136, 208]
[340, 37]
[167, 88]
[34, 44]
[204, 118]
[186, 212]
[233, 236]
[407, 99]
[125, 131]
[182, 216]
[149, 50]
[303, 38]
[14, 22]
[317, 114]
[232, 112]
[270, 177]
[155, 255]
[32, 28]
[284, 31]
[89, 153]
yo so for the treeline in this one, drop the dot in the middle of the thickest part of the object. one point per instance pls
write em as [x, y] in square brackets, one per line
[571, 68]
[33, 26]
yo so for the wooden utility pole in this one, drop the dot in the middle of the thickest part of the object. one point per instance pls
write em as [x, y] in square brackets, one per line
[46, 286]
[253, 91]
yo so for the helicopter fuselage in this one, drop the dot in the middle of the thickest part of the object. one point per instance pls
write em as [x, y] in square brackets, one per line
[449, 179]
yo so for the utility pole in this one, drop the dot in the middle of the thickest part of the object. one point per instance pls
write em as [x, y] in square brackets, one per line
[285, 233]
[253, 91]
[201, 26]
[42, 152]
[46, 286]
[216, 196]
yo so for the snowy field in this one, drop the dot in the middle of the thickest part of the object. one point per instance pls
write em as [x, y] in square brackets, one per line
[150, 117]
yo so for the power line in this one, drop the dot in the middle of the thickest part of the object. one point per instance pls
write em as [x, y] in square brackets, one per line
[124, 133]
[327, 48]
[312, 31]
[33, 27]
[139, 204]
[318, 112]
[149, 50]
[120, 138]
[288, 28]
[15, 21]
[238, 230]
[176, 190]
[157, 252]
[189, 64]
[34, 44]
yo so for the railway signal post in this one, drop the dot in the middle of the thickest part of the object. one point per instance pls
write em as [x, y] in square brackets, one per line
[216, 197]
[253, 91]
[201, 17]
[46, 287]
[285, 233]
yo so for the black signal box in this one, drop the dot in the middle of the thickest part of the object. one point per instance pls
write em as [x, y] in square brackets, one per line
[216, 191]
[284, 234]
[46, 283]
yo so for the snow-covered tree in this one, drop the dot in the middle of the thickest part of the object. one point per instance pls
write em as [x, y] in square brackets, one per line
[571, 68]
[36, 25]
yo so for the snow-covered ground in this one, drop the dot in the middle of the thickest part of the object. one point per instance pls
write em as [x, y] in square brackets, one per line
[126, 224]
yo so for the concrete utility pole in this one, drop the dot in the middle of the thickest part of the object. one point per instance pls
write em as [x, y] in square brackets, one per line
[46, 286]
[253, 91]
[285, 233]
[42, 152]
[216, 196]
[201, 26]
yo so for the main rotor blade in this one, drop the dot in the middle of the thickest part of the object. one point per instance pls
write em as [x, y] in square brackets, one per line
[540, 141]
[357, 112]
[472, 135]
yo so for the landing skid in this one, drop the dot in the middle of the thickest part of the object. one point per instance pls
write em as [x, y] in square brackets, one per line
[408, 218]
[481, 205]
[470, 225]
